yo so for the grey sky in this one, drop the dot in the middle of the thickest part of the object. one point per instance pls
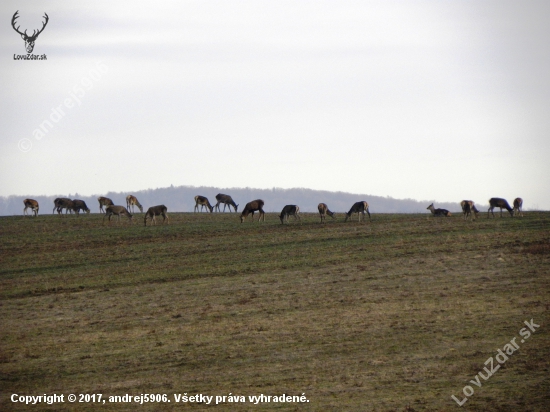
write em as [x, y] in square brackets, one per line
[412, 99]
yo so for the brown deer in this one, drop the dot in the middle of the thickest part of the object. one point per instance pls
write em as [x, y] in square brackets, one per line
[117, 210]
[29, 40]
[500, 203]
[468, 207]
[32, 204]
[132, 201]
[290, 210]
[360, 208]
[104, 201]
[203, 201]
[438, 212]
[324, 211]
[251, 207]
[226, 200]
[153, 211]
[518, 204]
[80, 205]
[61, 203]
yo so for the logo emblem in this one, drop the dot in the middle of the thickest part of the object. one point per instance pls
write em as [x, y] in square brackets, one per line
[29, 40]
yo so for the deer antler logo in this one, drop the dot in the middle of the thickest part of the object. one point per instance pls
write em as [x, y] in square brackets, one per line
[29, 40]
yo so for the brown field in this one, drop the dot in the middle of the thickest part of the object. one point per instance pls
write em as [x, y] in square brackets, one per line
[396, 314]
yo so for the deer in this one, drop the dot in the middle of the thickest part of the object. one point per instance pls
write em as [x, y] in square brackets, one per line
[324, 211]
[117, 210]
[360, 208]
[468, 207]
[153, 211]
[518, 204]
[501, 203]
[61, 203]
[80, 205]
[104, 201]
[226, 200]
[290, 210]
[251, 207]
[132, 201]
[438, 212]
[29, 40]
[32, 204]
[203, 201]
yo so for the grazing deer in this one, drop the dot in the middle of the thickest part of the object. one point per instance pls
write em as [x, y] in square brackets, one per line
[438, 212]
[360, 208]
[203, 201]
[324, 211]
[61, 203]
[117, 210]
[290, 210]
[501, 203]
[80, 205]
[29, 40]
[227, 201]
[518, 204]
[468, 207]
[153, 211]
[32, 204]
[251, 207]
[104, 201]
[132, 201]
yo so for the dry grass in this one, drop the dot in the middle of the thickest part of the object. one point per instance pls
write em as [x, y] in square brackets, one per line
[393, 315]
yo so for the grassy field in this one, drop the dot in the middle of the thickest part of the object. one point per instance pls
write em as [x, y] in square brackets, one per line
[396, 314]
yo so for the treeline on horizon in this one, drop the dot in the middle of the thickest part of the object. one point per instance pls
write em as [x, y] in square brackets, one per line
[182, 199]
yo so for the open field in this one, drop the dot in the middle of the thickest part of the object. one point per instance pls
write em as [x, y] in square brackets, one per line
[391, 315]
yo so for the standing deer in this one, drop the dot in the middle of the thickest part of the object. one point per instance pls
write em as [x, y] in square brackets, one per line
[468, 207]
[104, 201]
[153, 211]
[29, 40]
[203, 201]
[132, 201]
[251, 207]
[226, 200]
[360, 208]
[117, 210]
[438, 212]
[518, 204]
[61, 203]
[32, 204]
[80, 205]
[290, 210]
[324, 211]
[501, 203]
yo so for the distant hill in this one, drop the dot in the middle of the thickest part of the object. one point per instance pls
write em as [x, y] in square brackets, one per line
[181, 199]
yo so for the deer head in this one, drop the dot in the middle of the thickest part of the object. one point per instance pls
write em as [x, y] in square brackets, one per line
[29, 40]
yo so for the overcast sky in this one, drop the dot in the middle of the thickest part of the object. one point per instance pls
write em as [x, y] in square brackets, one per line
[444, 100]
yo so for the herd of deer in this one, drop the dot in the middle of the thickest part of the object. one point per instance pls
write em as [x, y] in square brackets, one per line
[107, 206]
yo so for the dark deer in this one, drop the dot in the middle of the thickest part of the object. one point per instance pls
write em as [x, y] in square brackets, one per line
[80, 205]
[226, 200]
[29, 40]
[117, 210]
[153, 211]
[468, 207]
[360, 208]
[324, 211]
[61, 203]
[501, 203]
[438, 212]
[290, 210]
[32, 204]
[251, 207]
[518, 204]
[132, 201]
[203, 201]
[104, 201]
